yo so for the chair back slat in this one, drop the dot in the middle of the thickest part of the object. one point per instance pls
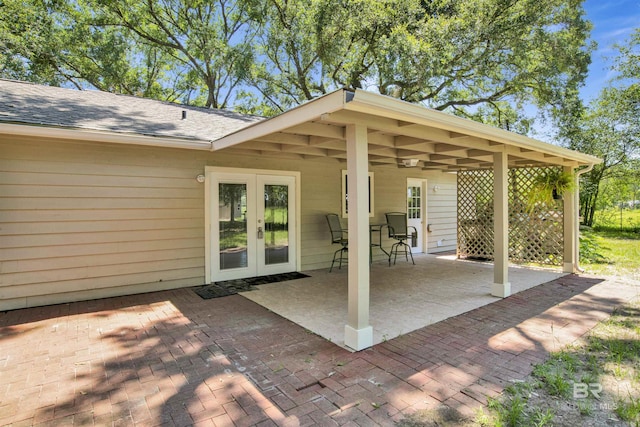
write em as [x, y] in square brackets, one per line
[397, 222]
[335, 227]
[399, 230]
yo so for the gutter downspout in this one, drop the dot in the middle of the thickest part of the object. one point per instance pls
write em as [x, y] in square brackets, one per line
[576, 196]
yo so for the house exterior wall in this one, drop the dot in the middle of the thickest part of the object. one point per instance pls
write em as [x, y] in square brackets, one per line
[82, 220]
[442, 203]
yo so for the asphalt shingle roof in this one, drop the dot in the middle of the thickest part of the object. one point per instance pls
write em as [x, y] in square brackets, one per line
[22, 102]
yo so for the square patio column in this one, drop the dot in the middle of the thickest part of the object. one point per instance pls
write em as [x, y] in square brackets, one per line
[570, 221]
[358, 334]
[501, 287]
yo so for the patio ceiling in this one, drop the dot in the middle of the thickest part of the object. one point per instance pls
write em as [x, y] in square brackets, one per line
[396, 130]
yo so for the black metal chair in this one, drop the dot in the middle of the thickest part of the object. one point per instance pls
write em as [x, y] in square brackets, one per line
[338, 236]
[399, 231]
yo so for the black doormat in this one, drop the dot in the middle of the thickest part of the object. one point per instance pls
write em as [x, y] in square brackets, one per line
[232, 287]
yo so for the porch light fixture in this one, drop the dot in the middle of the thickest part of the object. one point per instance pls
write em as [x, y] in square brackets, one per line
[436, 188]
[409, 163]
[200, 178]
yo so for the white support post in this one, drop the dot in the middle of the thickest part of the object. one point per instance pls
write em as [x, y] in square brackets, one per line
[358, 333]
[570, 221]
[501, 287]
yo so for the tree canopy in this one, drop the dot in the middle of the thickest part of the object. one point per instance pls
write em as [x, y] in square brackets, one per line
[483, 59]
[609, 127]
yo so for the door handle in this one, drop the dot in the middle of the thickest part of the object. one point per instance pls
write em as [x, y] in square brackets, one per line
[260, 233]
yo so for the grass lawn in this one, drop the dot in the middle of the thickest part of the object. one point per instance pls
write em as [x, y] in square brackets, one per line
[613, 218]
[607, 250]
[610, 253]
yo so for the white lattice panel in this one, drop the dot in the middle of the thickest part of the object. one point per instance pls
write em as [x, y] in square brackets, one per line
[535, 236]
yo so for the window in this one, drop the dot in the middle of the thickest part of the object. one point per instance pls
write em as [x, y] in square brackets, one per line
[345, 195]
[414, 202]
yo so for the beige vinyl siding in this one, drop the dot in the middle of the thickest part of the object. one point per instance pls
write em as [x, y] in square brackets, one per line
[391, 193]
[83, 220]
[442, 208]
[92, 220]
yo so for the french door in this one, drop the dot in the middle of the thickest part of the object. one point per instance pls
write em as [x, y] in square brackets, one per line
[416, 207]
[253, 224]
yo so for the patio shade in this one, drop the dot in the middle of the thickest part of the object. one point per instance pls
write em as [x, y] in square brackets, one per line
[397, 131]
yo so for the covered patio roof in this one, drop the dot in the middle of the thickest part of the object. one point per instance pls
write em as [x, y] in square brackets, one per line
[369, 129]
[396, 130]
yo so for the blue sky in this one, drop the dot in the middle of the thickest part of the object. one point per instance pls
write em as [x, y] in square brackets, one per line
[613, 21]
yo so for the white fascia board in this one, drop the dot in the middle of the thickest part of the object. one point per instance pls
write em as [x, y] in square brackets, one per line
[44, 131]
[385, 106]
[303, 113]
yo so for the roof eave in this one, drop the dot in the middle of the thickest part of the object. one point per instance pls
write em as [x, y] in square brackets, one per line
[303, 113]
[372, 103]
[48, 131]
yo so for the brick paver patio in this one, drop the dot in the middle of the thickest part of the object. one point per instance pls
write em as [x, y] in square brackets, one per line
[171, 358]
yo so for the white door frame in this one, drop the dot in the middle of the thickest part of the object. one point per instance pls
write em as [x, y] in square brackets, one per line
[422, 227]
[264, 268]
[210, 210]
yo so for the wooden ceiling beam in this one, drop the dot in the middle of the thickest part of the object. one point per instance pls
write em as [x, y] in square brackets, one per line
[382, 159]
[322, 130]
[314, 151]
[381, 139]
[260, 146]
[284, 138]
[338, 154]
[468, 162]
[411, 154]
[384, 151]
[434, 166]
[328, 143]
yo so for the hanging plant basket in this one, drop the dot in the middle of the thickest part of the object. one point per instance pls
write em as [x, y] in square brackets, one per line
[549, 187]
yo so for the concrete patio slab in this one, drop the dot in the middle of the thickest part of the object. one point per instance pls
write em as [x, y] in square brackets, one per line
[173, 359]
[404, 297]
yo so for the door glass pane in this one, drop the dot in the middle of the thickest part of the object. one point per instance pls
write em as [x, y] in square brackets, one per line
[413, 202]
[276, 224]
[233, 225]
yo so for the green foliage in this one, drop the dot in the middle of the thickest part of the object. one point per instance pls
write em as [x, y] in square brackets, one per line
[585, 407]
[549, 185]
[611, 251]
[622, 223]
[542, 418]
[609, 129]
[629, 410]
[590, 250]
[482, 59]
[511, 410]
[626, 350]
[568, 360]
[554, 375]
[56, 42]
[190, 51]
